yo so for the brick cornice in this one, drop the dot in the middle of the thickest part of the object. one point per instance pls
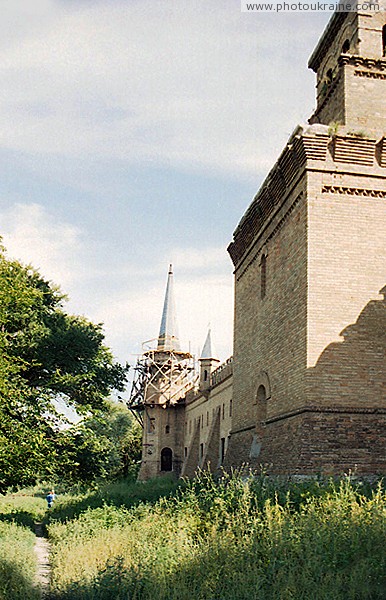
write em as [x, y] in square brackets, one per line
[362, 61]
[304, 152]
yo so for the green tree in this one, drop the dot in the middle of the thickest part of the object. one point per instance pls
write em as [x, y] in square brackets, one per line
[104, 445]
[45, 353]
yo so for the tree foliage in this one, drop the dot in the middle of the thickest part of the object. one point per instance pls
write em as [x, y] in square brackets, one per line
[45, 353]
[105, 445]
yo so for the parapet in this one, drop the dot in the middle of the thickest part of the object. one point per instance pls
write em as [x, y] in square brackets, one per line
[309, 146]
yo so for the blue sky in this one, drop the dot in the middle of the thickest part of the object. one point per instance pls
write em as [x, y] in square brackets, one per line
[136, 133]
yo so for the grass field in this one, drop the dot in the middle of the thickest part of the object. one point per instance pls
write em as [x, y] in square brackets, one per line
[228, 540]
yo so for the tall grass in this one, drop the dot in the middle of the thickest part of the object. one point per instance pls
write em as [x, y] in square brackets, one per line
[22, 509]
[228, 540]
[17, 558]
[125, 493]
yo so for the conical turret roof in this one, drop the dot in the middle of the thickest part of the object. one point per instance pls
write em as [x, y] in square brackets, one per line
[208, 351]
[168, 338]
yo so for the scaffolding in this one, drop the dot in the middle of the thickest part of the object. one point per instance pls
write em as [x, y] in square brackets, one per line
[161, 377]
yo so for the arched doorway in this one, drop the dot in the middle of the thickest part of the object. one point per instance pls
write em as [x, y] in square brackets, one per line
[166, 459]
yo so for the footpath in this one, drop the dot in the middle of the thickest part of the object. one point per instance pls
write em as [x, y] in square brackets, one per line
[42, 550]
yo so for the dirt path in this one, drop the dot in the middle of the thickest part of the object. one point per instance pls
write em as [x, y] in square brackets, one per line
[42, 549]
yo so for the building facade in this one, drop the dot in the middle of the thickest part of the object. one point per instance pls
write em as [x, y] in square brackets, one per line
[305, 391]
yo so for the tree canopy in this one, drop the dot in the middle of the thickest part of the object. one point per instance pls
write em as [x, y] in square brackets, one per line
[45, 354]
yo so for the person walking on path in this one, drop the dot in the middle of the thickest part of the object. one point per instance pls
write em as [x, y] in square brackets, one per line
[50, 498]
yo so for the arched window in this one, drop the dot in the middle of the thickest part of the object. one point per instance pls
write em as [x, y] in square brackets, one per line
[346, 46]
[262, 402]
[261, 394]
[384, 40]
[205, 375]
[263, 276]
[166, 459]
[167, 429]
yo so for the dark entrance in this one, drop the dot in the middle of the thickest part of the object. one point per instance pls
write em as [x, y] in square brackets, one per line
[166, 459]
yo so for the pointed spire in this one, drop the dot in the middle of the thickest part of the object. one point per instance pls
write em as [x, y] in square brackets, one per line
[168, 333]
[208, 351]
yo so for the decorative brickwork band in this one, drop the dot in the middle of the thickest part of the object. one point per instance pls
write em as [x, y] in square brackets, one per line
[328, 409]
[348, 191]
[370, 74]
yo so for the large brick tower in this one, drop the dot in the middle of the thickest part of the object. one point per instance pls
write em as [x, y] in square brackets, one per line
[309, 387]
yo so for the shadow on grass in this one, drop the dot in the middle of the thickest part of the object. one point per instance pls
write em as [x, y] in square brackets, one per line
[20, 517]
[14, 585]
[121, 494]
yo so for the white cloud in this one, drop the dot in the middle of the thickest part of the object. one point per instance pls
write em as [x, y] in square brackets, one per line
[32, 235]
[132, 315]
[177, 83]
[130, 303]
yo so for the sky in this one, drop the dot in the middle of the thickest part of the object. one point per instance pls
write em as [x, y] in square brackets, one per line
[134, 134]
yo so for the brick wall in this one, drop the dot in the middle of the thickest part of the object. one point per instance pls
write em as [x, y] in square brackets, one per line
[208, 418]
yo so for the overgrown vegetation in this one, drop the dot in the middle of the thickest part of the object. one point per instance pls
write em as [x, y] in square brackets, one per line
[231, 539]
[46, 356]
[18, 512]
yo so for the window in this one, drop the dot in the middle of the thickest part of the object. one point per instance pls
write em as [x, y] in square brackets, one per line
[167, 429]
[166, 459]
[205, 375]
[190, 426]
[263, 276]
[261, 394]
[329, 76]
[150, 424]
[384, 40]
[346, 46]
[230, 407]
[223, 411]
[262, 402]
[201, 452]
[207, 418]
[222, 450]
[185, 452]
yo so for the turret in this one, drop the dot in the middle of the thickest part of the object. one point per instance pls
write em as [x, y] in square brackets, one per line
[350, 64]
[208, 362]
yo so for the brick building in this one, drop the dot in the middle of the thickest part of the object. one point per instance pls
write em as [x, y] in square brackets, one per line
[306, 390]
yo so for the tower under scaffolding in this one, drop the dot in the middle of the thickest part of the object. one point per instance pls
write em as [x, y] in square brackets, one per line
[161, 377]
